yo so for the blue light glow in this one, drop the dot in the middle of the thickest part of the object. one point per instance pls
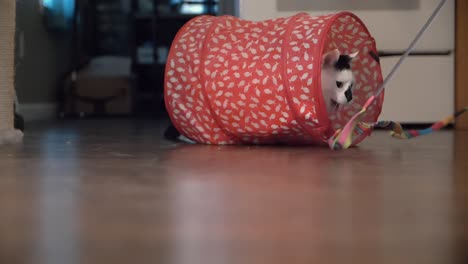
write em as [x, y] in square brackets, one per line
[48, 3]
[59, 12]
[64, 8]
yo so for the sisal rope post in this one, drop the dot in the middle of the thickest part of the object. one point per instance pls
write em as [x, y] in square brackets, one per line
[7, 91]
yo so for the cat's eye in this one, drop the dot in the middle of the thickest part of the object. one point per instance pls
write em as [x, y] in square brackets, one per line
[339, 84]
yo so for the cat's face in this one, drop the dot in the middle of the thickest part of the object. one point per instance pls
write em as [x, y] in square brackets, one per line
[337, 79]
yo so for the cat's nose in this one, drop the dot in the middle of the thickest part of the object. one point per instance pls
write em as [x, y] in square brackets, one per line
[349, 95]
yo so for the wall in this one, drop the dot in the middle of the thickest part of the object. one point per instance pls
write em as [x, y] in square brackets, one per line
[46, 56]
[229, 7]
[392, 29]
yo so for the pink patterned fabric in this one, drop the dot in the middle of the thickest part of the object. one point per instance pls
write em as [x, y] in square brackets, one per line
[231, 81]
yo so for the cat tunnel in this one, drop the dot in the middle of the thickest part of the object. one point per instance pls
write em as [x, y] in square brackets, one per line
[7, 92]
[232, 81]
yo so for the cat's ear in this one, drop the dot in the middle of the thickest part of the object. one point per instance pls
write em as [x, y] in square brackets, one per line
[354, 55]
[331, 57]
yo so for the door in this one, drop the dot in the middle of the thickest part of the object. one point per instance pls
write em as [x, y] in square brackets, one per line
[462, 61]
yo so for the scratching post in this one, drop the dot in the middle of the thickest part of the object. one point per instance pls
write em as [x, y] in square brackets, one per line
[8, 134]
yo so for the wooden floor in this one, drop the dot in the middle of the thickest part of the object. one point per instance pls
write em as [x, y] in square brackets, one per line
[114, 192]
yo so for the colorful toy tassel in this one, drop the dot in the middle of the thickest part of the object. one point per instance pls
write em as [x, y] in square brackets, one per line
[344, 139]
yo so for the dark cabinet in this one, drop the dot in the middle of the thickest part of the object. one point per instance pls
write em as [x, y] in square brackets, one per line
[154, 25]
[111, 27]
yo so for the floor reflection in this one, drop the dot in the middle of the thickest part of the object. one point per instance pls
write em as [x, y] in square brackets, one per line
[460, 196]
[78, 195]
[58, 199]
[315, 205]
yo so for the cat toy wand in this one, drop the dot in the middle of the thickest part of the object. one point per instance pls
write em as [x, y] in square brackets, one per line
[343, 138]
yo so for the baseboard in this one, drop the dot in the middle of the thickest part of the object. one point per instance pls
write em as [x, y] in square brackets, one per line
[38, 111]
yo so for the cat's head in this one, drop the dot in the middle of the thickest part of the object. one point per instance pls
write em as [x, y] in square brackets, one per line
[337, 79]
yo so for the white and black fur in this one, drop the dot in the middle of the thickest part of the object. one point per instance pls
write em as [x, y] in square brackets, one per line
[337, 79]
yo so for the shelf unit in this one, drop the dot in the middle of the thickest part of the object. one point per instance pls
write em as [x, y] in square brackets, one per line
[111, 28]
[152, 32]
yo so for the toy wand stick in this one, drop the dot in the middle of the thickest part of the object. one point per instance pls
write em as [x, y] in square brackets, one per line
[343, 139]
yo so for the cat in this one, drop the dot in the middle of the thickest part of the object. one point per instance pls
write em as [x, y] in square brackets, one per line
[337, 79]
[173, 134]
[337, 84]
